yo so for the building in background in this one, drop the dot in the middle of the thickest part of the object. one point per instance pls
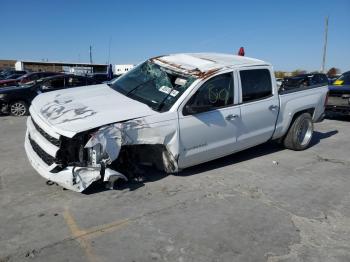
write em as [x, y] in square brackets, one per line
[7, 64]
[77, 68]
[66, 67]
[121, 69]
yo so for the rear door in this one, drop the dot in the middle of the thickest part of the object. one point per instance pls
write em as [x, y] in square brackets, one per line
[208, 122]
[259, 105]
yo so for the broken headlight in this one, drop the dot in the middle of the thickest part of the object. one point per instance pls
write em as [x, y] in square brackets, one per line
[94, 155]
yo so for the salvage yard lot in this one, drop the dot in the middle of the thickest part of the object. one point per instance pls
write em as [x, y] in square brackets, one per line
[263, 204]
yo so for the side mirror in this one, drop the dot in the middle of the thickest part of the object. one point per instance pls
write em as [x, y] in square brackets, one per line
[195, 109]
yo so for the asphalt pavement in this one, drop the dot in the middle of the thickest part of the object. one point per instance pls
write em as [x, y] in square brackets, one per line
[263, 204]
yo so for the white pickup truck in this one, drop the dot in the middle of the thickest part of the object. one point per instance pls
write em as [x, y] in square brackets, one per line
[171, 111]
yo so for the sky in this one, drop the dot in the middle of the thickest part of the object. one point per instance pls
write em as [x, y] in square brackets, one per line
[288, 34]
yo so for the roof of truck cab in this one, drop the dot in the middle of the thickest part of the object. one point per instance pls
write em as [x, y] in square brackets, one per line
[206, 62]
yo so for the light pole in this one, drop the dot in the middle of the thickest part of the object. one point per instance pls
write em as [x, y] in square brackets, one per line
[325, 46]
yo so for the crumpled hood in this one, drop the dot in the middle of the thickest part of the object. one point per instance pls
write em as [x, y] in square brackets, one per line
[83, 108]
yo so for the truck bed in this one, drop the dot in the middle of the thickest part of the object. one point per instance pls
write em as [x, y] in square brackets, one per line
[296, 100]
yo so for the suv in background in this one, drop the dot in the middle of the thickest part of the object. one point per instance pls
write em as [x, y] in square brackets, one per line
[16, 100]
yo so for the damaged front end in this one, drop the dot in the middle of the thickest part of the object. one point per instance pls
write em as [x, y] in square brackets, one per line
[106, 154]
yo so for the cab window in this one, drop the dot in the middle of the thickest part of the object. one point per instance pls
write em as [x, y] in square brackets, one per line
[256, 84]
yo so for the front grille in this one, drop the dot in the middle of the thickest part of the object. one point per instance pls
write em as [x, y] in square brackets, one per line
[49, 160]
[49, 138]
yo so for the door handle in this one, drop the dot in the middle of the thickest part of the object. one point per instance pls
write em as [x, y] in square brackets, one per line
[273, 107]
[231, 117]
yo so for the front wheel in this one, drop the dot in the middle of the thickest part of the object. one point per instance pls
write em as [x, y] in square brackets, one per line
[300, 133]
[19, 108]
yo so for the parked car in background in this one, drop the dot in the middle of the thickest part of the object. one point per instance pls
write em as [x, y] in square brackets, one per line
[8, 72]
[332, 79]
[17, 99]
[303, 80]
[343, 79]
[339, 95]
[26, 78]
[101, 77]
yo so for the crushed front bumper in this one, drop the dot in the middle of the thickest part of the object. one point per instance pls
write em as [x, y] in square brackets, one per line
[41, 149]
[78, 181]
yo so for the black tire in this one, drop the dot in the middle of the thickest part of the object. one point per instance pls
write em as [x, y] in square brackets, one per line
[19, 108]
[300, 133]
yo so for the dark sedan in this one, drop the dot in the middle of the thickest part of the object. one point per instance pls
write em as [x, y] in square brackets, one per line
[17, 99]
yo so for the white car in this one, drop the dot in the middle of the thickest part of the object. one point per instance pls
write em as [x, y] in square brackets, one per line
[173, 111]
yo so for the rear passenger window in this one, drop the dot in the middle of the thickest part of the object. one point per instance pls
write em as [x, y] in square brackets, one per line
[256, 84]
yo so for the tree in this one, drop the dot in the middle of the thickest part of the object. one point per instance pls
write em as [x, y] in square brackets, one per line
[298, 72]
[333, 72]
[280, 74]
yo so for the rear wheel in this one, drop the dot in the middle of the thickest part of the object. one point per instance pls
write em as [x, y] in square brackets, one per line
[300, 133]
[19, 108]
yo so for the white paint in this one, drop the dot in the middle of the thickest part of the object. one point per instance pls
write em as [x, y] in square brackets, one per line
[192, 139]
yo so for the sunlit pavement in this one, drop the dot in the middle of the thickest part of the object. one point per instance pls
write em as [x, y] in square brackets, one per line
[263, 204]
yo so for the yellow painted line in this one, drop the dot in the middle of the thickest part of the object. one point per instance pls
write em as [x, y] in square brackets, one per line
[83, 236]
[106, 228]
[77, 234]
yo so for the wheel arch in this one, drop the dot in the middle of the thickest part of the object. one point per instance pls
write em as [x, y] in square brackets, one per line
[310, 110]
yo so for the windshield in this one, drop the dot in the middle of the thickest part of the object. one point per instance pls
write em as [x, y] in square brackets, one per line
[151, 84]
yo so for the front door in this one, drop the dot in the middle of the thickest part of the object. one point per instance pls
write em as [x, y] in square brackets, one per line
[208, 123]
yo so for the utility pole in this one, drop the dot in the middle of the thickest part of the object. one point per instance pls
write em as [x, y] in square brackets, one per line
[90, 54]
[91, 70]
[109, 50]
[325, 46]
